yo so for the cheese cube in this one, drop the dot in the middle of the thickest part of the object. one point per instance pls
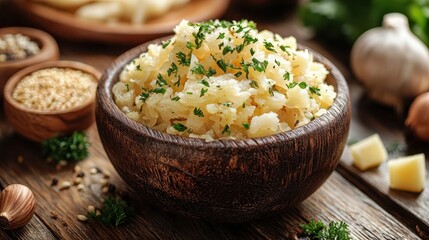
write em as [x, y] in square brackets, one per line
[368, 153]
[408, 173]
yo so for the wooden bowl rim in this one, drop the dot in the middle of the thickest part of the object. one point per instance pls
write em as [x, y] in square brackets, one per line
[104, 101]
[47, 44]
[65, 18]
[17, 77]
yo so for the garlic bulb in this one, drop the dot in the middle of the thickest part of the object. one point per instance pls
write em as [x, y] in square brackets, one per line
[17, 206]
[418, 117]
[391, 62]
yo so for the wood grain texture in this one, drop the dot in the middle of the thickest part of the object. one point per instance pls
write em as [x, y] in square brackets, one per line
[38, 125]
[337, 199]
[225, 180]
[48, 52]
[62, 23]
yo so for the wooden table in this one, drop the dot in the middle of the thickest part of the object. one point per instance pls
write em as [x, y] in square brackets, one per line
[362, 199]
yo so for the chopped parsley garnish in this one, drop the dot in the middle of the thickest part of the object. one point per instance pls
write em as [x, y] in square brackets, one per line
[198, 112]
[221, 36]
[246, 125]
[277, 62]
[183, 59]
[180, 127]
[173, 69]
[177, 83]
[190, 45]
[302, 85]
[166, 43]
[243, 105]
[238, 74]
[144, 96]
[210, 72]
[128, 87]
[254, 84]
[315, 90]
[205, 83]
[203, 91]
[138, 68]
[198, 69]
[269, 46]
[226, 130]
[285, 49]
[259, 66]
[291, 85]
[271, 90]
[286, 76]
[227, 49]
[252, 52]
[159, 90]
[176, 98]
[160, 81]
[227, 104]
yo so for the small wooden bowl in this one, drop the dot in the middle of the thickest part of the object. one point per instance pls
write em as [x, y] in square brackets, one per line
[223, 180]
[40, 125]
[48, 52]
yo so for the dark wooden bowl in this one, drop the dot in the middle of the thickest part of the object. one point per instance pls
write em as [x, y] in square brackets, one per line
[48, 52]
[224, 180]
[38, 125]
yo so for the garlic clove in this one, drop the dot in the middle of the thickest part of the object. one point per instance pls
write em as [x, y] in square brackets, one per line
[391, 62]
[17, 205]
[418, 117]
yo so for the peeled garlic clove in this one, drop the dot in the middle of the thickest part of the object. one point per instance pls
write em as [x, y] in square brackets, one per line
[17, 206]
[418, 117]
[391, 62]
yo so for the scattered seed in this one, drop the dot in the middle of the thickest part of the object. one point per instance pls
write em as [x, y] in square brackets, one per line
[77, 168]
[105, 189]
[97, 212]
[54, 215]
[54, 182]
[65, 185]
[93, 171]
[20, 159]
[80, 174]
[80, 187]
[91, 208]
[82, 218]
[77, 180]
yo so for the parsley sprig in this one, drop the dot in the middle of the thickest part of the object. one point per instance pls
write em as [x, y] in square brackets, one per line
[68, 148]
[115, 212]
[318, 230]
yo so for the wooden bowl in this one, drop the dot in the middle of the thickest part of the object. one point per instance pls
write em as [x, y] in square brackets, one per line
[40, 125]
[223, 180]
[48, 52]
[66, 25]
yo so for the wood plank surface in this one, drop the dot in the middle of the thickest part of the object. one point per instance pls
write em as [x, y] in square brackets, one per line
[337, 199]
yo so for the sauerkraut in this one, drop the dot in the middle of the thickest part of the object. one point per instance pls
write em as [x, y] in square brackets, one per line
[221, 79]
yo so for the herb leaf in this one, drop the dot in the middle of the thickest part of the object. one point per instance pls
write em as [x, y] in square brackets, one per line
[69, 148]
[115, 212]
[179, 127]
[198, 112]
[318, 230]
